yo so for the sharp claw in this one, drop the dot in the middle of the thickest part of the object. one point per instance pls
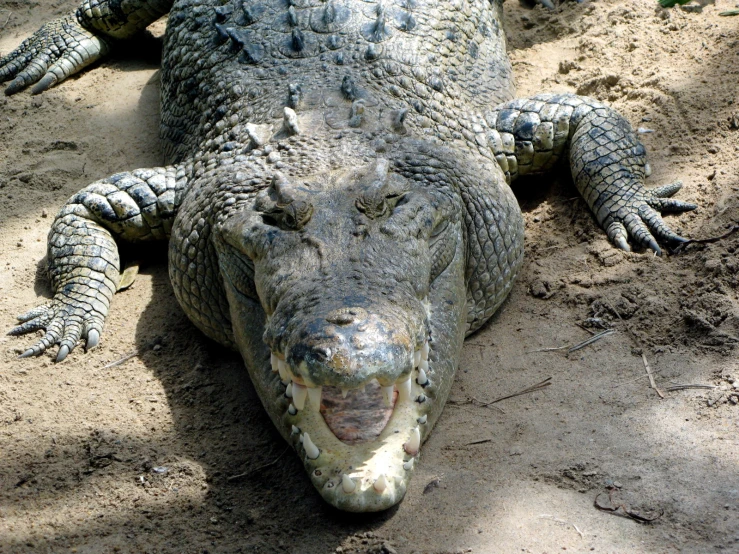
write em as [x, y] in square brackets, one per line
[666, 191]
[654, 247]
[622, 244]
[16, 85]
[27, 354]
[63, 352]
[48, 81]
[93, 338]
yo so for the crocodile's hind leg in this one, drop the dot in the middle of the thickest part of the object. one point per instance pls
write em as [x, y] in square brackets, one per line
[84, 266]
[608, 162]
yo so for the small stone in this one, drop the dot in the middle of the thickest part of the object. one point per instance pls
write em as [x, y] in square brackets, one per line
[540, 289]
[692, 7]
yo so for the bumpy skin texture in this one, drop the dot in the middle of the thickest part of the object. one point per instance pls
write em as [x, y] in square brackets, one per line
[337, 200]
[63, 47]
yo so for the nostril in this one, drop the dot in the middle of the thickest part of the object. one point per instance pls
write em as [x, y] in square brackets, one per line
[322, 352]
[347, 316]
[341, 319]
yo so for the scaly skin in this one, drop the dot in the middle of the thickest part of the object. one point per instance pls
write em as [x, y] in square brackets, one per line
[337, 205]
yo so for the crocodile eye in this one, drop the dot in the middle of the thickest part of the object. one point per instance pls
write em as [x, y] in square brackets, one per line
[396, 199]
[438, 230]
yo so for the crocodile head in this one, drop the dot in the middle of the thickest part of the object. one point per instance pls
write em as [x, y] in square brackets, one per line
[348, 304]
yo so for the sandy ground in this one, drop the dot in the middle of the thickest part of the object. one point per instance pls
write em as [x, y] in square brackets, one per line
[171, 452]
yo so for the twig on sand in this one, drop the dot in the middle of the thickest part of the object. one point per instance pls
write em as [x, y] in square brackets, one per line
[686, 387]
[581, 326]
[680, 247]
[475, 402]
[591, 340]
[6, 20]
[620, 509]
[550, 349]
[635, 379]
[571, 349]
[583, 344]
[481, 441]
[557, 520]
[152, 345]
[122, 360]
[652, 382]
[257, 469]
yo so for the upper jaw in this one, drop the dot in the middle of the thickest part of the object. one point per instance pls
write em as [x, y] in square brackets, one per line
[364, 477]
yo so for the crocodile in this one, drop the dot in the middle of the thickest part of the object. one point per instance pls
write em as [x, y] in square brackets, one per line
[337, 202]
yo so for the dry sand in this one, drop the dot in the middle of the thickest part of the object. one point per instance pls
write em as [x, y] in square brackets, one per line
[171, 452]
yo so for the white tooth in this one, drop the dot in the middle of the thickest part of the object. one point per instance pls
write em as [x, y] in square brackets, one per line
[404, 390]
[422, 379]
[300, 439]
[381, 484]
[414, 443]
[408, 465]
[282, 369]
[425, 351]
[424, 365]
[348, 484]
[344, 392]
[423, 419]
[295, 430]
[289, 390]
[300, 392]
[273, 360]
[387, 395]
[314, 395]
[311, 450]
[292, 410]
[416, 358]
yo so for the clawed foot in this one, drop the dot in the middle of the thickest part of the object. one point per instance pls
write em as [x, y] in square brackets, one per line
[53, 53]
[638, 217]
[65, 324]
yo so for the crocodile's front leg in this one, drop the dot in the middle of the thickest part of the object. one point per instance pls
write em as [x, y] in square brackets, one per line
[64, 46]
[608, 162]
[84, 267]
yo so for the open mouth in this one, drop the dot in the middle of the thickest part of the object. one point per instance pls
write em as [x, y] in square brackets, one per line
[359, 444]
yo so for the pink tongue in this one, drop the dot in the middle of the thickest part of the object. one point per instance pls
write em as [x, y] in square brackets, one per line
[360, 417]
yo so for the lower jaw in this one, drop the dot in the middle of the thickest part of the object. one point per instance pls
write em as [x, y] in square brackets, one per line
[369, 476]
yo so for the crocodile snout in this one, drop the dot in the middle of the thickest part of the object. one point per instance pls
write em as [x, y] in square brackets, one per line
[349, 347]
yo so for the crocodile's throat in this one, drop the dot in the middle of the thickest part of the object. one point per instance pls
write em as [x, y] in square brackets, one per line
[358, 445]
[358, 415]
